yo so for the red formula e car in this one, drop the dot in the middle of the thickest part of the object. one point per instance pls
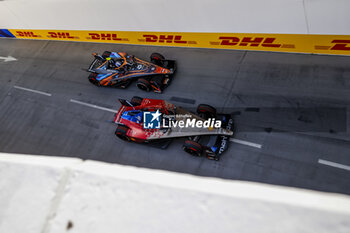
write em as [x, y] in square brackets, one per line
[157, 122]
[119, 69]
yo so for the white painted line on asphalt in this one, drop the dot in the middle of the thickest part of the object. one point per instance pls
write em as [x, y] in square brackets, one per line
[252, 144]
[8, 58]
[93, 106]
[333, 164]
[31, 90]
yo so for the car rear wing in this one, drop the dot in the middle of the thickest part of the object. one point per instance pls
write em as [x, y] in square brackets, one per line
[98, 58]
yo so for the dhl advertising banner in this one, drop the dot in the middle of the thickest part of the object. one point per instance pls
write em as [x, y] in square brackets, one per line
[297, 43]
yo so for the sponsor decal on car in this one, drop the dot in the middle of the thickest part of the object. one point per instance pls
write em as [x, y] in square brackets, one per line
[224, 140]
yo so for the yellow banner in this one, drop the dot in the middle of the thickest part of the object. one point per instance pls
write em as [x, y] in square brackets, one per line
[296, 43]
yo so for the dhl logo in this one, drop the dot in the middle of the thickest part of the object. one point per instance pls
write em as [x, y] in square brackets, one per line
[268, 42]
[105, 36]
[177, 39]
[61, 35]
[343, 45]
[29, 34]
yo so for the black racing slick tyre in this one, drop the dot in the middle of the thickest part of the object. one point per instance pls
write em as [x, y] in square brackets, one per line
[144, 84]
[157, 59]
[136, 100]
[193, 148]
[207, 110]
[93, 80]
[106, 54]
[121, 132]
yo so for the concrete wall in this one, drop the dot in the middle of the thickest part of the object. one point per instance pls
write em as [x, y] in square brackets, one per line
[231, 16]
[48, 194]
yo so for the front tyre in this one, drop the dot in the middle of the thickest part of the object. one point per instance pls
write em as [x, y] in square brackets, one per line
[121, 132]
[144, 84]
[93, 80]
[193, 148]
[157, 59]
[136, 101]
[207, 110]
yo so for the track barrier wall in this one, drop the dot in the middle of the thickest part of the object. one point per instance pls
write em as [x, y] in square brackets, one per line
[56, 194]
[298, 26]
[296, 43]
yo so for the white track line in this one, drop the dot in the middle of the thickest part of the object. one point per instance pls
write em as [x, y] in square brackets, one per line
[333, 164]
[31, 90]
[252, 144]
[93, 106]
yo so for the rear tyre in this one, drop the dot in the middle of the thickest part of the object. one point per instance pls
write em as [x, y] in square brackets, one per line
[144, 84]
[157, 59]
[93, 80]
[121, 132]
[136, 100]
[193, 148]
[106, 54]
[207, 110]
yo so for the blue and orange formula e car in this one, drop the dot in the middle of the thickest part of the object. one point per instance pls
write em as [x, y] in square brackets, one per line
[119, 69]
[157, 122]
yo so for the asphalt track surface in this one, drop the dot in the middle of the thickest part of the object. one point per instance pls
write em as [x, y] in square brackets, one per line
[279, 138]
